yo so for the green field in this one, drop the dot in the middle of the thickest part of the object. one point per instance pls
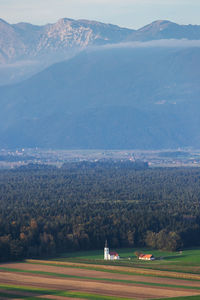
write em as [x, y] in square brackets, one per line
[183, 298]
[85, 267]
[9, 291]
[96, 278]
[186, 261]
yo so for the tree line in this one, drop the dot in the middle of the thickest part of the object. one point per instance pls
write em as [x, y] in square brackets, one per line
[45, 211]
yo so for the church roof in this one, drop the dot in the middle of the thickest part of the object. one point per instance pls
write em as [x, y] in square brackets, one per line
[114, 253]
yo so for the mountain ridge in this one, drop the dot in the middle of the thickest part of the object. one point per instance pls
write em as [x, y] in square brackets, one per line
[119, 98]
[26, 49]
[27, 40]
[104, 86]
[65, 33]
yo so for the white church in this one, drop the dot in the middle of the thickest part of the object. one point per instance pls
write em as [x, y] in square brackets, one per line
[110, 255]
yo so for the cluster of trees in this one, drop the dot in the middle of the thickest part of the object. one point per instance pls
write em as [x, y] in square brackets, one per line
[44, 211]
[166, 240]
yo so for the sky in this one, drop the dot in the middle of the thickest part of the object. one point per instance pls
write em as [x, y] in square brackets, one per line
[125, 13]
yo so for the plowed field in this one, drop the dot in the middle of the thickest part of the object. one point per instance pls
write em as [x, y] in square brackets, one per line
[94, 282]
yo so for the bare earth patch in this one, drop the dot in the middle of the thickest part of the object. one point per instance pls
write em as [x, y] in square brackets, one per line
[137, 291]
[99, 274]
[123, 269]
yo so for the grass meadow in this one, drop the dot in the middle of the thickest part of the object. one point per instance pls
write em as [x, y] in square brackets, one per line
[187, 260]
[65, 271]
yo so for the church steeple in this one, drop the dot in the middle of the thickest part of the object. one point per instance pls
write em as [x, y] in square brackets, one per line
[106, 251]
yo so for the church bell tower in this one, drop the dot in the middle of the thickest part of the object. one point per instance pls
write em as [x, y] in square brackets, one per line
[106, 251]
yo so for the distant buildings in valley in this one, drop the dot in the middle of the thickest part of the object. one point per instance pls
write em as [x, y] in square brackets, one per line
[138, 159]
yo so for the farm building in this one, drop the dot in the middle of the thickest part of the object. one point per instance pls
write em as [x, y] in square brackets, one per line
[146, 257]
[110, 255]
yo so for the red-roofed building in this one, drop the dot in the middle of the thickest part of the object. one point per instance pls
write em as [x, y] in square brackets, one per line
[114, 255]
[146, 257]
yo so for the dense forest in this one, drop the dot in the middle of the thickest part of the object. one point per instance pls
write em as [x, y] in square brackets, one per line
[46, 210]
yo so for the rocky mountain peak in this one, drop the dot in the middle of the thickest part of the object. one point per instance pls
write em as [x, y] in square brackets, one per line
[156, 26]
[51, 43]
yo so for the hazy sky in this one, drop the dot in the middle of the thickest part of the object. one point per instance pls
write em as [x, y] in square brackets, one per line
[128, 13]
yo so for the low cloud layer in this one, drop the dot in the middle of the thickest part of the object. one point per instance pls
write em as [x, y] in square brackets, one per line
[171, 43]
[19, 64]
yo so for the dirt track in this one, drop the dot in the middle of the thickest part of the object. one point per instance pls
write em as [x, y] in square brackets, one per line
[119, 289]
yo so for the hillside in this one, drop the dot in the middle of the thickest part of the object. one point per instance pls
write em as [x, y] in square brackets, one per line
[112, 98]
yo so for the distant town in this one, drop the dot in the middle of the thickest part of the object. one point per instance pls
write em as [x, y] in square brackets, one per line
[12, 158]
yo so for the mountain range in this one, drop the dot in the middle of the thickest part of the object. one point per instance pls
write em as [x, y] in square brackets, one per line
[118, 89]
[26, 49]
[25, 41]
